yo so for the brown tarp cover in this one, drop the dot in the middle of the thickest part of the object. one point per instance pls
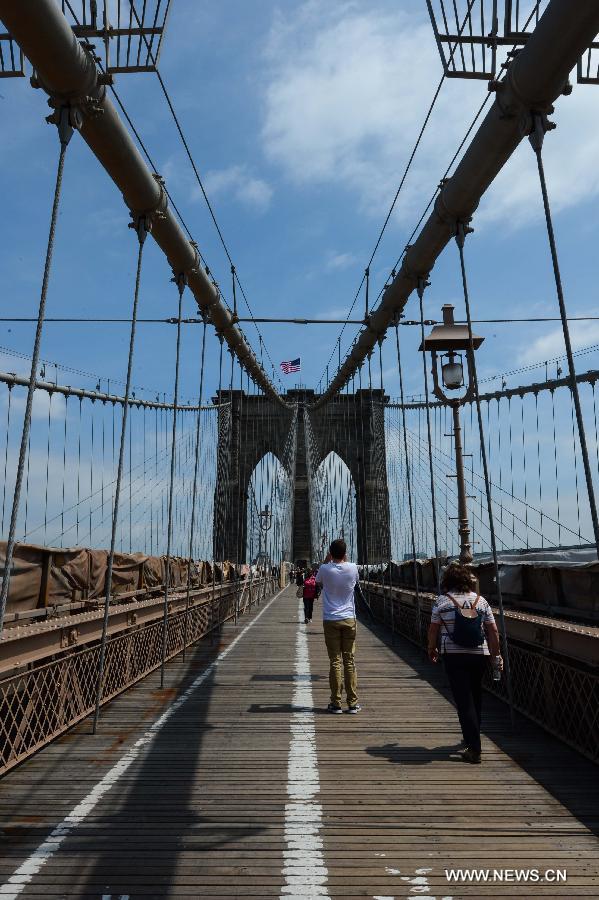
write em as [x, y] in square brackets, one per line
[76, 574]
[26, 576]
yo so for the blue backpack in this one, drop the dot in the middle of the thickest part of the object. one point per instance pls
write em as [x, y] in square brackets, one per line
[468, 626]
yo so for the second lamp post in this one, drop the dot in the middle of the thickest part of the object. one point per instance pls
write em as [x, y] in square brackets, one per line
[448, 340]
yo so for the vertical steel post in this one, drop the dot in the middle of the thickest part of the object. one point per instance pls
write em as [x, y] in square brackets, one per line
[463, 526]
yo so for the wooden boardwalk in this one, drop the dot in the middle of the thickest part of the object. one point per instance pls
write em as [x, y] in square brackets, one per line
[249, 791]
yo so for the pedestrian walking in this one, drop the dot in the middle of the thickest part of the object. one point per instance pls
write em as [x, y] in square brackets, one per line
[309, 594]
[464, 633]
[338, 579]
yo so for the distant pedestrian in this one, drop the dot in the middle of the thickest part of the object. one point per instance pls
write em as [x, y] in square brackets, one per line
[309, 594]
[299, 577]
[463, 629]
[338, 579]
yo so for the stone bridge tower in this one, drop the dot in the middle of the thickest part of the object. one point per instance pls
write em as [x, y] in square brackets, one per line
[351, 425]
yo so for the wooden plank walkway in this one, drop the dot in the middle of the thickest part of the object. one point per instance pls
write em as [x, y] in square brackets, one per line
[209, 806]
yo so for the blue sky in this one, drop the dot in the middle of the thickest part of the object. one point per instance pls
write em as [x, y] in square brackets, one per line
[301, 116]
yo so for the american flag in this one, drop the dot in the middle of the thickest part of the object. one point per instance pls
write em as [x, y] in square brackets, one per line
[291, 365]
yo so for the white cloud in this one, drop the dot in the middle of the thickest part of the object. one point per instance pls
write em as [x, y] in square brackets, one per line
[570, 156]
[237, 182]
[348, 86]
[337, 261]
[339, 312]
[347, 91]
[551, 345]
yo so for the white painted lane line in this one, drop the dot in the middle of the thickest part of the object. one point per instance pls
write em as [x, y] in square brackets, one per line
[32, 865]
[304, 868]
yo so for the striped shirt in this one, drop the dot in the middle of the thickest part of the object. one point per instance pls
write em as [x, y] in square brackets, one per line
[443, 614]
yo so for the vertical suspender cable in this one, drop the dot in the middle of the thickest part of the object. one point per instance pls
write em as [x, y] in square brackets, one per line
[194, 490]
[409, 482]
[421, 287]
[180, 281]
[240, 554]
[64, 134]
[8, 411]
[141, 227]
[216, 527]
[460, 240]
[382, 464]
[540, 126]
[48, 471]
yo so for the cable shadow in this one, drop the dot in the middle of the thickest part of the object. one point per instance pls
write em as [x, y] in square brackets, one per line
[565, 774]
[286, 708]
[134, 846]
[287, 678]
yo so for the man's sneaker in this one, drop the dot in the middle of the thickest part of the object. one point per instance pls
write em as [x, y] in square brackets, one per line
[333, 708]
[306, 621]
[354, 709]
[471, 756]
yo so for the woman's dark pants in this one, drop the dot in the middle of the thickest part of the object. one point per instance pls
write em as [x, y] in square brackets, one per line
[465, 674]
[308, 607]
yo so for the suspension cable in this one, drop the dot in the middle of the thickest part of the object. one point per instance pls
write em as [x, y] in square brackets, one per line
[180, 281]
[141, 226]
[460, 237]
[65, 131]
[194, 491]
[408, 479]
[540, 126]
[422, 284]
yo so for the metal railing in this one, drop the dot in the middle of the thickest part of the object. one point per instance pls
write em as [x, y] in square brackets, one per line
[42, 702]
[559, 694]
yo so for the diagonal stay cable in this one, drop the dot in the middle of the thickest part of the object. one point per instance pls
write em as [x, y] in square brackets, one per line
[477, 115]
[141, 229]
[65, 132]
[405, 174]
[192, 162]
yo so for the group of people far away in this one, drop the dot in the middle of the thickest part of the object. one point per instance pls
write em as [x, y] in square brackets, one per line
[462, 633]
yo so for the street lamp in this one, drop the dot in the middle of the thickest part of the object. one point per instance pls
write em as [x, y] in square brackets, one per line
[448, 340]
[265, 523]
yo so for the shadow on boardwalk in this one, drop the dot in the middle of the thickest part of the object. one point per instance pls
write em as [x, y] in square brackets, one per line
[570, 778]
[137, 844]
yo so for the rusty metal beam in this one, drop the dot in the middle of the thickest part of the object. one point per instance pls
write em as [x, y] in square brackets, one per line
[12, 380]
[534, 80]
[23, 645]
[68, 73]
[537, 387]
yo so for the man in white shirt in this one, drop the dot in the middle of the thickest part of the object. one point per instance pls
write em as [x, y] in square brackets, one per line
[338, 579]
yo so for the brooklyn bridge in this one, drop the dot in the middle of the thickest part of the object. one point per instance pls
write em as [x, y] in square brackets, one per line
[164, 728]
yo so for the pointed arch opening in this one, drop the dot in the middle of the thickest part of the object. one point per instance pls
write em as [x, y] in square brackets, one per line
[269, 513]
[333, 507]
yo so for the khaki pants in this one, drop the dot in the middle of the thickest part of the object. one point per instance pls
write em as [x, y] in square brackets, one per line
[340, 638]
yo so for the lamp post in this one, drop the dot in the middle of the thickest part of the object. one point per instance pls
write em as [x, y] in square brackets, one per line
[448, 339]
[265, 523]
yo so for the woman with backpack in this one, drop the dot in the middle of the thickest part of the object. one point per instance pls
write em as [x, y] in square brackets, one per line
[309, 594]
[464, 633]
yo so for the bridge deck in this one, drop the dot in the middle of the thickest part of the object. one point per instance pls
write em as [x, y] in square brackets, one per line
[223, 801]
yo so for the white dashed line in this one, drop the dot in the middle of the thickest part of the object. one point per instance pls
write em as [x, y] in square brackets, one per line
[304, 869]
